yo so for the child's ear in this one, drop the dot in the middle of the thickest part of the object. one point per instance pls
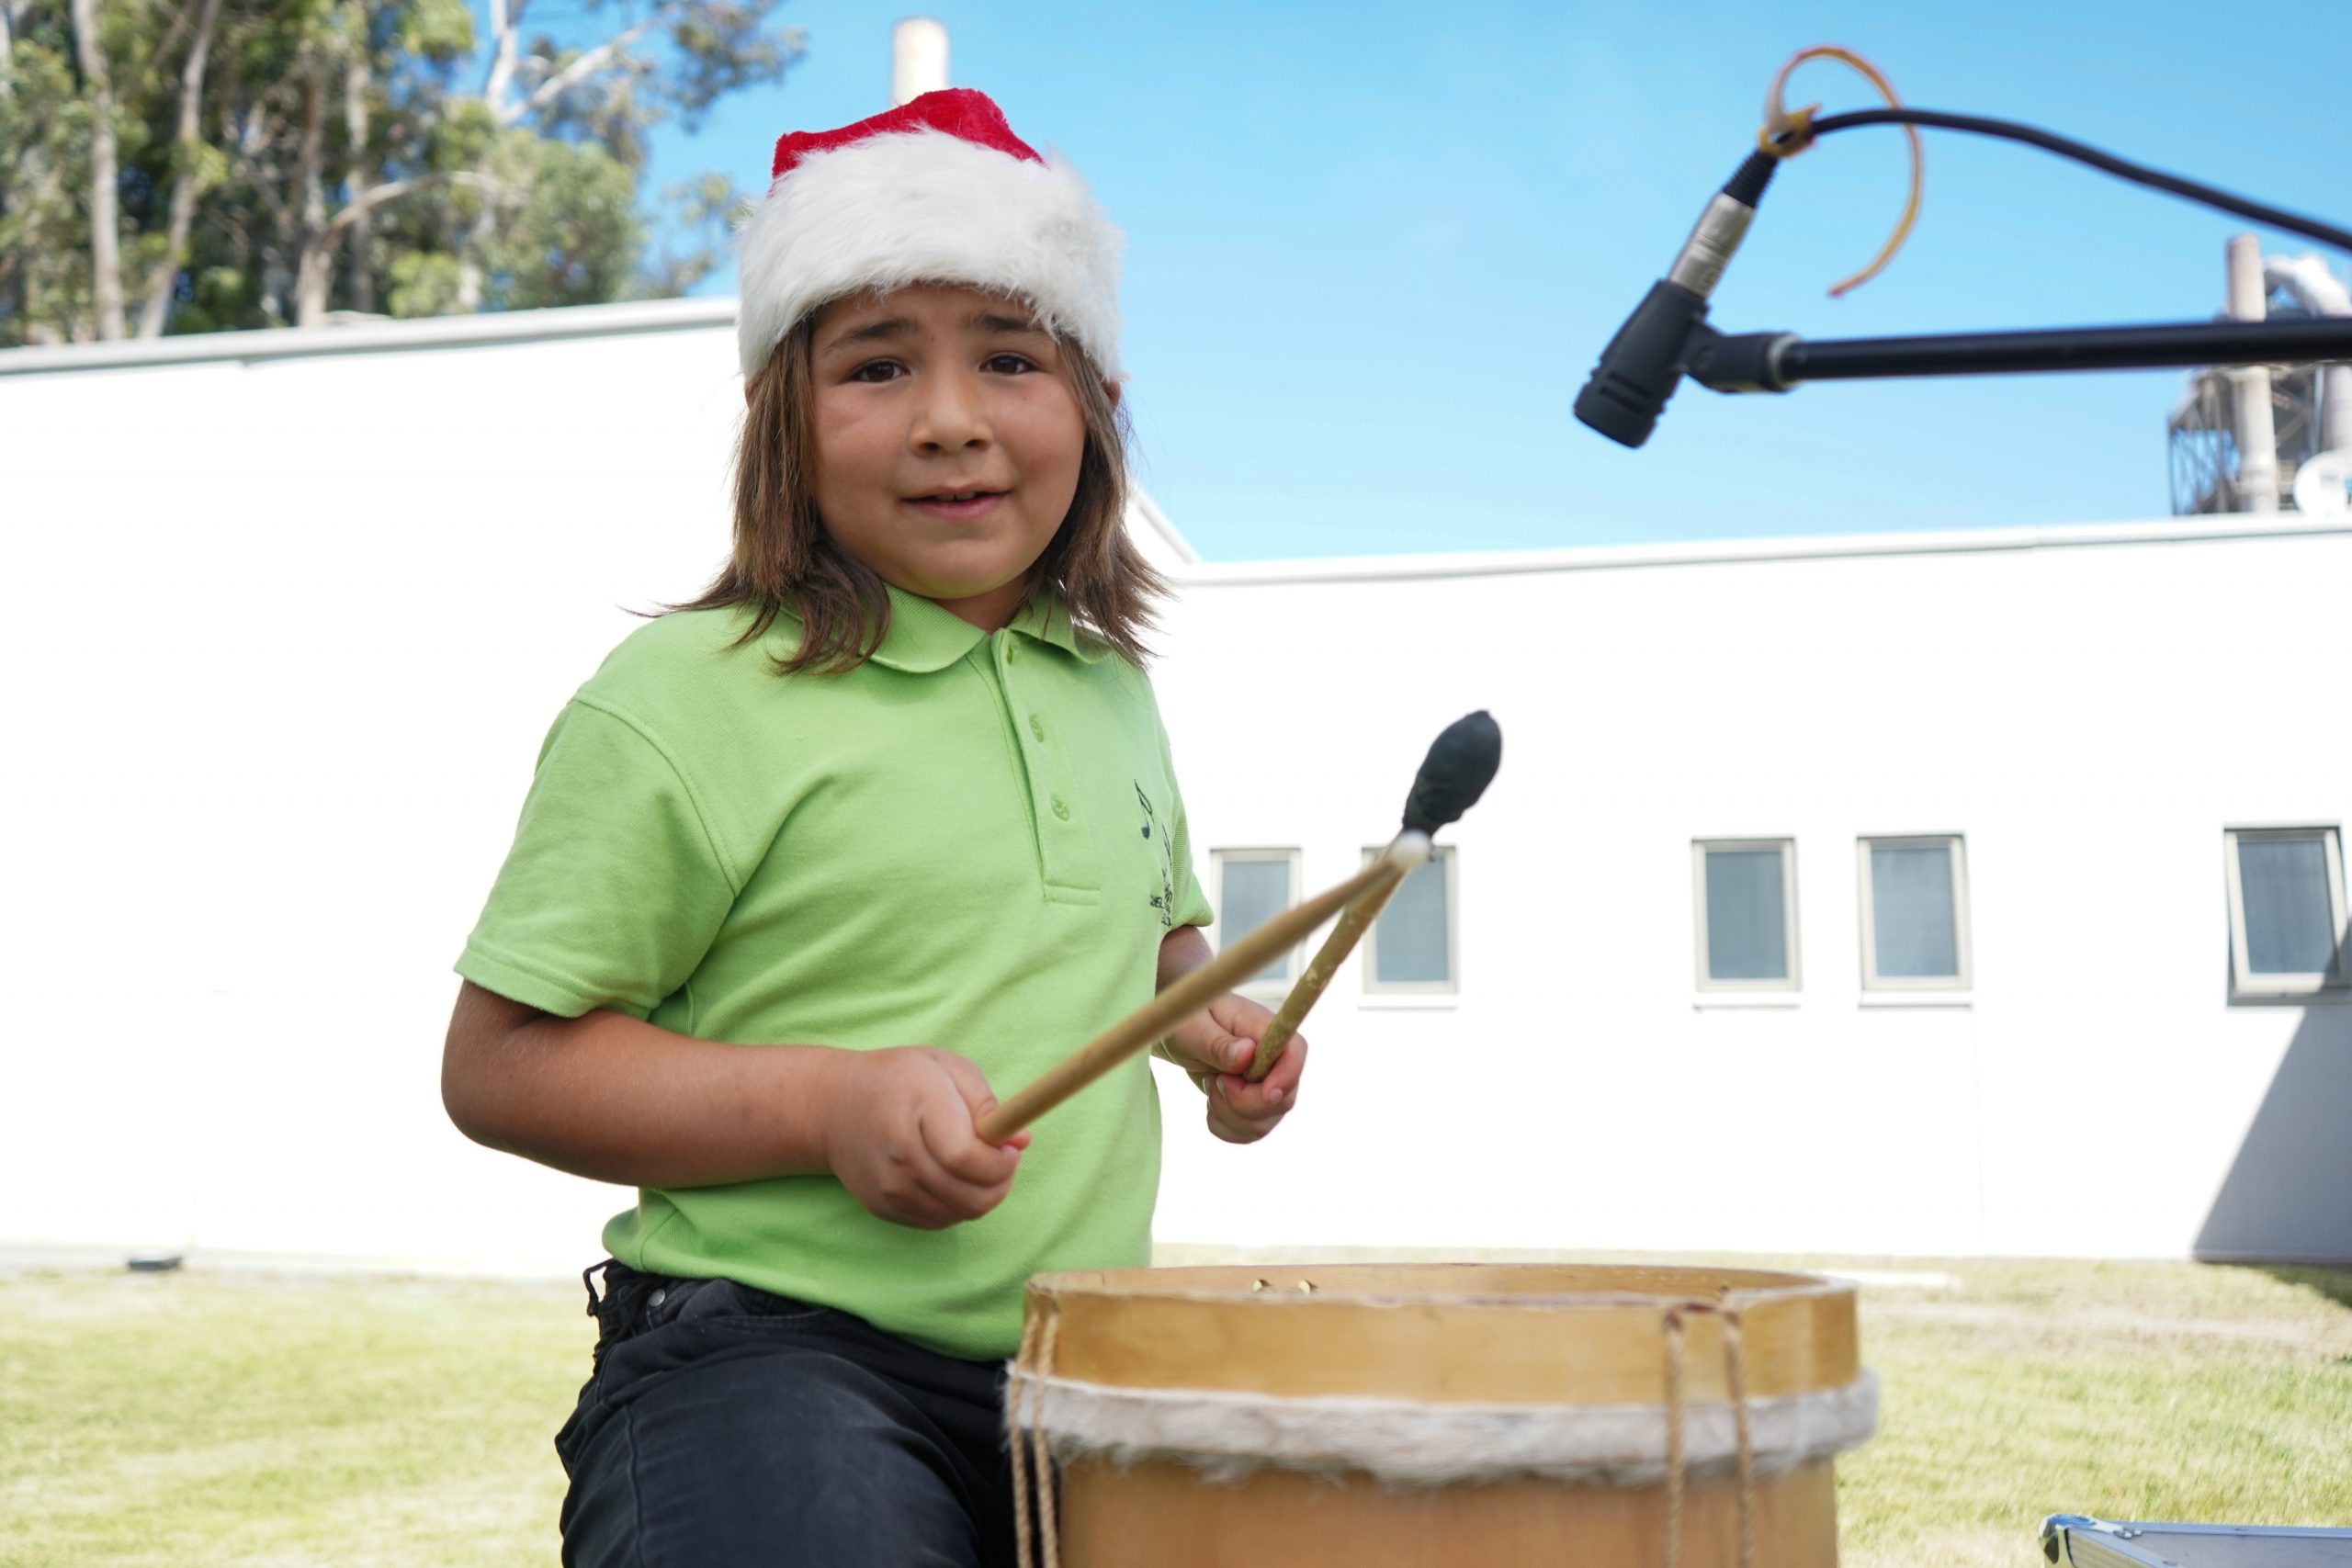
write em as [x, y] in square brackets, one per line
[751, 387]
[1111, 389]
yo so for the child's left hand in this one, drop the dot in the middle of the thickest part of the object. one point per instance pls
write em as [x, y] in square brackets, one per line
[1215, 1046]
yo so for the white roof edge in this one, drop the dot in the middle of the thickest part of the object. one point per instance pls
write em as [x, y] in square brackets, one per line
[1723, 552]
[684, 315]
[1143, 506]
[375, 337]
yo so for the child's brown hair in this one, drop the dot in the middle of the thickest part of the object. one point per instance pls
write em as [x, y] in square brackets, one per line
[783, 560]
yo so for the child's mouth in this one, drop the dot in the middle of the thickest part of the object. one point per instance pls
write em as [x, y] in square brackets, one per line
[958, 507]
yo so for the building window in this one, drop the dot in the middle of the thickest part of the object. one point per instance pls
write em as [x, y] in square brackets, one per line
[1252, 887]
[1412, 947]
[1914, 914]
[1744, 893]
[2287, 926]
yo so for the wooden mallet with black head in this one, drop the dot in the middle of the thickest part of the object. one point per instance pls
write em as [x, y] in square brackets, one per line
[1460, 765]
[1452, 777]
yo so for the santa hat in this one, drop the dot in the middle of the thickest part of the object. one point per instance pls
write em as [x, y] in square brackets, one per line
[938, 190]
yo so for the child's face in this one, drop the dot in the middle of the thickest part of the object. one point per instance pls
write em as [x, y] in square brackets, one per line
[928, 394]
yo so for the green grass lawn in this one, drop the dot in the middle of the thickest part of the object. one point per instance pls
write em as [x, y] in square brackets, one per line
[205, 1418]
[2123, 1391]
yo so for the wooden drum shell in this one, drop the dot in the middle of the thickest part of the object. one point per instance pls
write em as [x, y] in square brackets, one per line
[1469, 1335]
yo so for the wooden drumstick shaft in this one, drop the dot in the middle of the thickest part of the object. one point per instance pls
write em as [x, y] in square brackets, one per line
[1354, 921]
[1461, 764]
[1244, 958]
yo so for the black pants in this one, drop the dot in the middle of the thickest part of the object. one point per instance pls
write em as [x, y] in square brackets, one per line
[723, 1426]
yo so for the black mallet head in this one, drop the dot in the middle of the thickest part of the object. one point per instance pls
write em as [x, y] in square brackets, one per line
[1460, 764]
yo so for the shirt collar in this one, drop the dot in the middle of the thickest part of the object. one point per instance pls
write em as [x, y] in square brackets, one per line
[1045, 618]
[922, 636]
[924, 639]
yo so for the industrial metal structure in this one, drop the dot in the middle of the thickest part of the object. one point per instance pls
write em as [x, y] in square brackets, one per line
[2266, 438]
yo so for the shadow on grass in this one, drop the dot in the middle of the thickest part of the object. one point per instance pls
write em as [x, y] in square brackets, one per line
[2335, 1285]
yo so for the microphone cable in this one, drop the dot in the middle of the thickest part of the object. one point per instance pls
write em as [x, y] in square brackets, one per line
[1789, 132]
[2106, 163]
[1641, 366]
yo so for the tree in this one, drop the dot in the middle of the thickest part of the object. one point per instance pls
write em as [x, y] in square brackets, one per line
[189, 166]
[106, 234]
[44, 234]
[212, 165]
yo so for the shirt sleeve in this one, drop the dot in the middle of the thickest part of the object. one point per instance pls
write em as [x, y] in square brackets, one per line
[1192, 907]
[614, 889]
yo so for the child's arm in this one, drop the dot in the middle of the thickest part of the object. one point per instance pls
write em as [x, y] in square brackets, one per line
[1215, 1044]
[609, 1097]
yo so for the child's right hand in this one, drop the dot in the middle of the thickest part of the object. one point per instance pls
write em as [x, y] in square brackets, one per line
[902, 1138]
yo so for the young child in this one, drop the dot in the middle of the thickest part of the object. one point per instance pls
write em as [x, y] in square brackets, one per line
[884, 819]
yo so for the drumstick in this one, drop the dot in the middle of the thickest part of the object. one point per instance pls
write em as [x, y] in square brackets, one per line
[1244, 958]
[1460, 765]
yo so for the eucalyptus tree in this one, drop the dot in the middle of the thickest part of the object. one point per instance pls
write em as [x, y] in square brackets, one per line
[196, 166]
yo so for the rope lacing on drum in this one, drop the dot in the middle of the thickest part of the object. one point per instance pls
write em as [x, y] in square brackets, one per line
[1024, 1403]
[1727, 1311]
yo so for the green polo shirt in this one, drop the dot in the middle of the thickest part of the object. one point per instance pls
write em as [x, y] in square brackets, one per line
[973, 840]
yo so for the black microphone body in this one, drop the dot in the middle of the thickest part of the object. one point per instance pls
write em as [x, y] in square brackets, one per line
[1640, 367]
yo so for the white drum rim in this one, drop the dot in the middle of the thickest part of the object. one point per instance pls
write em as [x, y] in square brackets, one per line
[1410, 1443]
[1173, 1284]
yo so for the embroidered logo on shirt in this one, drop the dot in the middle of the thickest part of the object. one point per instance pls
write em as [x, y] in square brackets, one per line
[1165, 899]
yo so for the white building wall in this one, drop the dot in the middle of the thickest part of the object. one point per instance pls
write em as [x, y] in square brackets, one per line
[284, 637]
[280, 653]
[2090, 711]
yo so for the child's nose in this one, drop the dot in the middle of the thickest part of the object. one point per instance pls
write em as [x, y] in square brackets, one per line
[950, 414]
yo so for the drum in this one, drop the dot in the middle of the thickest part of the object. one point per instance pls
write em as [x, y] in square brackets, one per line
[1452, 1413]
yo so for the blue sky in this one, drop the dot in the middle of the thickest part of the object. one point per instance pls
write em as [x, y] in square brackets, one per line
[1375, 249]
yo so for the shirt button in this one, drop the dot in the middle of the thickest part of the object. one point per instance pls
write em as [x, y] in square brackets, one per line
[1037, 727]
[1008, 650]
[1060, 809]
[658, 1297]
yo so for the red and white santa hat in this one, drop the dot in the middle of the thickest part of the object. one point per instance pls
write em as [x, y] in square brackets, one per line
[938, 190]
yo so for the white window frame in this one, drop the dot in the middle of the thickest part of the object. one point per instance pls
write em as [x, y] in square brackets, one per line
[2243, 982]
[1699, 849]
[1964, 959]
[1295, 958]
[1373, 986]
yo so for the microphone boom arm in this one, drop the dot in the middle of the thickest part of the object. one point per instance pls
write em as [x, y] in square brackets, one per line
[1667, 337]
[1776, 362]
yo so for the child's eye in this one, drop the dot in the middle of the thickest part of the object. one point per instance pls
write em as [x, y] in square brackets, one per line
[1008, 364]
[877, 370]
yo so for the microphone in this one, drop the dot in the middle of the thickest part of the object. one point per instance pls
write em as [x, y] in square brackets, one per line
[1642, 364]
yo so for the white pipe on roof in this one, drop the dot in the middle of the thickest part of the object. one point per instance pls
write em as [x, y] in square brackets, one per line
[2322, 293]
[918, 59]
[2258, 438]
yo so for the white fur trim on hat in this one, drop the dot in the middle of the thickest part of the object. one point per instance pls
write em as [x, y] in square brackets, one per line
[929, 207]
